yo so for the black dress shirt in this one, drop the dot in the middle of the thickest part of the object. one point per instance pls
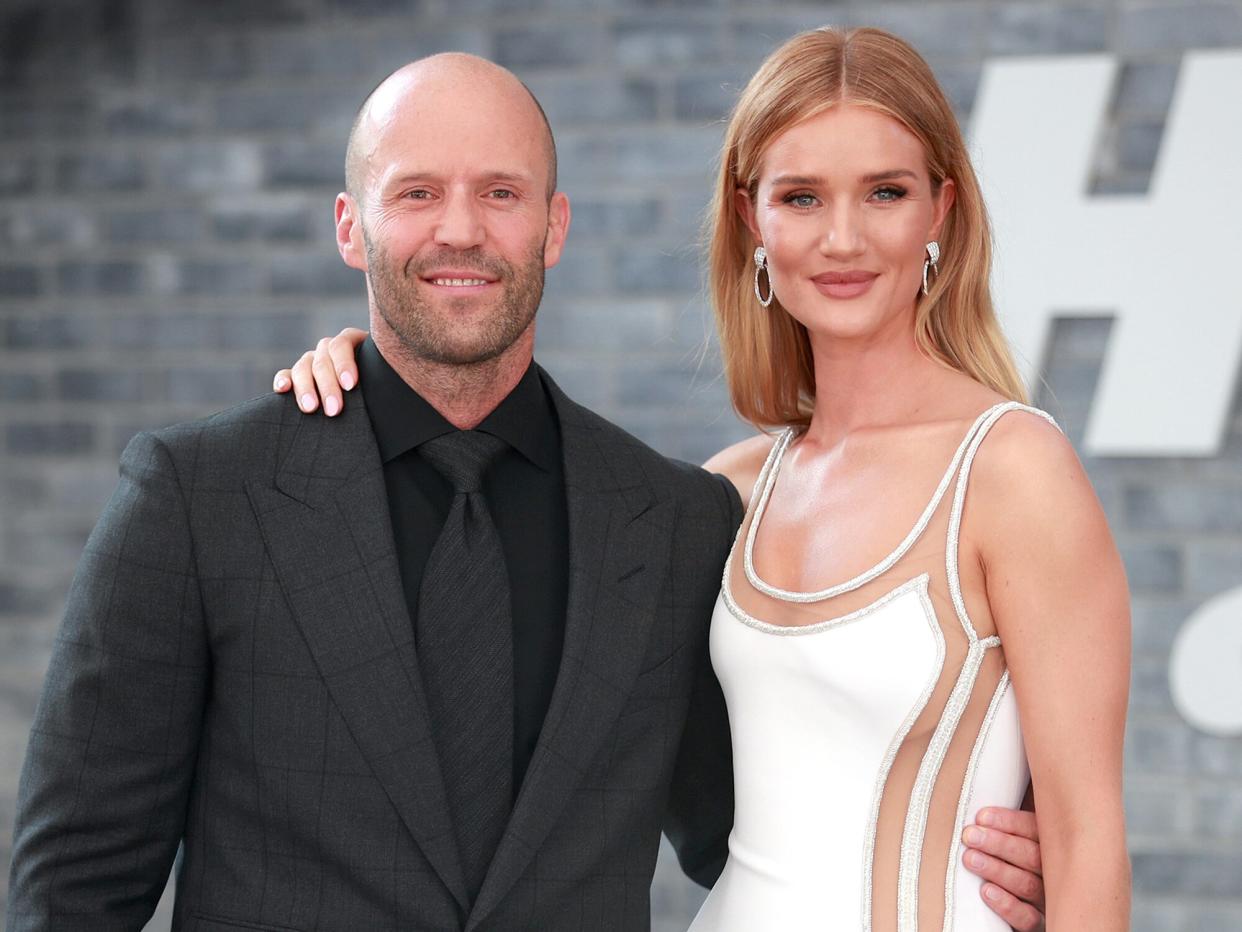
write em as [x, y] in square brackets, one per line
[525, 492]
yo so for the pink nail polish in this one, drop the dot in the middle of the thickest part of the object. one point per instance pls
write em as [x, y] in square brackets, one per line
[331, 406]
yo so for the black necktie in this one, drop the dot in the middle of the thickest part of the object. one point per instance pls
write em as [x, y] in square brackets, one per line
[465, 651]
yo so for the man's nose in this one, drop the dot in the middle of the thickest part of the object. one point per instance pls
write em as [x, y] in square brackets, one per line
[459, 225]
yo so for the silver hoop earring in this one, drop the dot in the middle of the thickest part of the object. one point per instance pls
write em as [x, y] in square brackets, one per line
[761, 265]
[931, 262]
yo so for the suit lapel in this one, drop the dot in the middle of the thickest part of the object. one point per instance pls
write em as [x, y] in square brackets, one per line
[326, 525]
[619, 538]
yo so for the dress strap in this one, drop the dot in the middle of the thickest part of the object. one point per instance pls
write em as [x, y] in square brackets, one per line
[768, 474]
[772, 467]
[985, 423]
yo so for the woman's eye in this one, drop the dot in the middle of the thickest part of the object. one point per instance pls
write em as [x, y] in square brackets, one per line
[800, 200]
[889, 193]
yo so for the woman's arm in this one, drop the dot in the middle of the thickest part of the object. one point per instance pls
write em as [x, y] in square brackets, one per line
[323, 372]
[1057, 591]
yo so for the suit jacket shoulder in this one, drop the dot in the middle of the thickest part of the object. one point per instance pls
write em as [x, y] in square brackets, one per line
[695, 490]
[257, 437]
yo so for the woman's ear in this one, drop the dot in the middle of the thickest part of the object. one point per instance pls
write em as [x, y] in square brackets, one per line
[745, 206]
[944, 202]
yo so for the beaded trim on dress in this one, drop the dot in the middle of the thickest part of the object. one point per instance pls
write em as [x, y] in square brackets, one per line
[768, 482]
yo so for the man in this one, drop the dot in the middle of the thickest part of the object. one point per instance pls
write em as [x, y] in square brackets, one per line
[425, 665]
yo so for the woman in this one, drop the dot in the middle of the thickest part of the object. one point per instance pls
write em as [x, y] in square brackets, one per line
[925, 573]
[924, 595]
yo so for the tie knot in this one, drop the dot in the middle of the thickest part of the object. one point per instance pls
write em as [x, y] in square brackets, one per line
[462, 457]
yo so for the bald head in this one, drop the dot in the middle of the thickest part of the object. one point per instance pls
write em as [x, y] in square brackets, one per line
[454, 78]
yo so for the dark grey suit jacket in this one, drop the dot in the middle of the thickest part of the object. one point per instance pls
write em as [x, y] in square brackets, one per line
[236, 672]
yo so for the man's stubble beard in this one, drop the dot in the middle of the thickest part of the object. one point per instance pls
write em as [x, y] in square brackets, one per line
[428, 336]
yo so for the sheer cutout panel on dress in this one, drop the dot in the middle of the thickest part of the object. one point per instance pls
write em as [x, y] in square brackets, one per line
[871, 719]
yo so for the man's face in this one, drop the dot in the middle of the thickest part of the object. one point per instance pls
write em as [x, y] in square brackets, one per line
[455, 306]
[456, 226]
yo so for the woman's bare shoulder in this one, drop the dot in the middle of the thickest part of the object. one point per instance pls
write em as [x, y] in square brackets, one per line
[1027, 450]
[742, 462]
[1027, 477]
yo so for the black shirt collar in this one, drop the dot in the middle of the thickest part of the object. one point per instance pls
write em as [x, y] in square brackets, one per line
[402, 419]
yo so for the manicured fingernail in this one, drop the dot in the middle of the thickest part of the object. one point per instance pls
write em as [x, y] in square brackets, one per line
[307, 401]
[331, 406]
[975, 859]
[281, 384]
[991, 892]
[347, 380]
[973, 836]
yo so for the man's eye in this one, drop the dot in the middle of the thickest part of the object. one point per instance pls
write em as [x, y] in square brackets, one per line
[419, 194]
[503, 194]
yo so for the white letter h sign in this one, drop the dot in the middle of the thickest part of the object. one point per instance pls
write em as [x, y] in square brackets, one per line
[1168, 266]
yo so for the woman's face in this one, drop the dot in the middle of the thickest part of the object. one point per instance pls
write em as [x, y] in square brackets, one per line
[845, 209]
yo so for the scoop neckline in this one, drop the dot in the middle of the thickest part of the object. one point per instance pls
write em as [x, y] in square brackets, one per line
[767, 482]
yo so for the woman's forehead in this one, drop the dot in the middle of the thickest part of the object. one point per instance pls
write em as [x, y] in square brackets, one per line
[844, 139]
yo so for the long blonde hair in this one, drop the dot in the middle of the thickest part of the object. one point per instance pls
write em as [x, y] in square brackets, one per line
[767, 353]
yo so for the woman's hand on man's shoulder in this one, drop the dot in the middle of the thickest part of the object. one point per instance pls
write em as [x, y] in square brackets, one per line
[324, 373]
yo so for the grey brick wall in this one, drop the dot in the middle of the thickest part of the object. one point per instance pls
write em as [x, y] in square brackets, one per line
[167, 169]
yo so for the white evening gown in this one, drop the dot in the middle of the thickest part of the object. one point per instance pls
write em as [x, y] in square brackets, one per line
[866, 734]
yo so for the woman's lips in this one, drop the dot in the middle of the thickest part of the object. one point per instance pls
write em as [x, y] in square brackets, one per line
[844, 284]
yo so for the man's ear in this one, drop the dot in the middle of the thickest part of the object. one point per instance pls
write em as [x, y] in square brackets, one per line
[559, 216]
[349, 242]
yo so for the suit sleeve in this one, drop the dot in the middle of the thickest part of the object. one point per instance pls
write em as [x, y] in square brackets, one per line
[700, 811]
[101, 806]
[732, 508]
